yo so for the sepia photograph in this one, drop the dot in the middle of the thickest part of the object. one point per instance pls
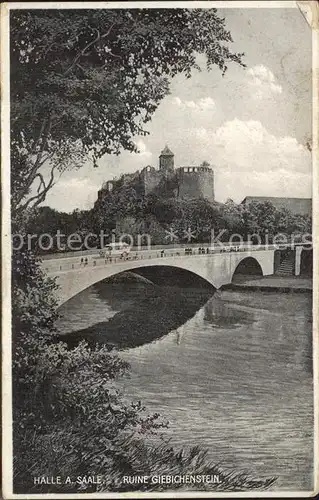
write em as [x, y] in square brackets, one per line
[159, 235]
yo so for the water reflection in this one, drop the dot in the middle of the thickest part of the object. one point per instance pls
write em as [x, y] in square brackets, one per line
[136, 313]
[223, 315]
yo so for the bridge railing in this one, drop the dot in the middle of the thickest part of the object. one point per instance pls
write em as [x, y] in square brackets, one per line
[98, 262]
[167, 247]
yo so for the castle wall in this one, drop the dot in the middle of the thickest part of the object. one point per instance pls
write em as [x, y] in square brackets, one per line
[196, 182]
[152, 179]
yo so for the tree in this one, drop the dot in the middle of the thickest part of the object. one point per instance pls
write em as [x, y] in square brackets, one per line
[85, 82]
[34, 312]
[232, 216]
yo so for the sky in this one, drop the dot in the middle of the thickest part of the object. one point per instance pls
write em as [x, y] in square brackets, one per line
[251, 124]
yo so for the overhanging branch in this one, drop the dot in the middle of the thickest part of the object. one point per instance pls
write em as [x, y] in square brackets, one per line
[40, 196]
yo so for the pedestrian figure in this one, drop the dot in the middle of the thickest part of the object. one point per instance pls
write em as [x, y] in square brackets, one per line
[86, 261]
[81, 263]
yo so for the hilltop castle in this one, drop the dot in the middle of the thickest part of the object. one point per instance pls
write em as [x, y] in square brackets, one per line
[182, 182]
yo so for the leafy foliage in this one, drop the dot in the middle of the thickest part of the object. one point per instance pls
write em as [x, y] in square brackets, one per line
[34, 307]
[124, 211]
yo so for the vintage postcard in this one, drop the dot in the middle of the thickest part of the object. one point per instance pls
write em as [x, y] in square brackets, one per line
[160, 249]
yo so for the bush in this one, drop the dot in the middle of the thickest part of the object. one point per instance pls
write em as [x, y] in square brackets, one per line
[74, 416]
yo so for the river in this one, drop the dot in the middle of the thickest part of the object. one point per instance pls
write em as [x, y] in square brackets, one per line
[231, 371]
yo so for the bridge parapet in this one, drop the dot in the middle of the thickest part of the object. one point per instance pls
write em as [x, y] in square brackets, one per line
[73, 263]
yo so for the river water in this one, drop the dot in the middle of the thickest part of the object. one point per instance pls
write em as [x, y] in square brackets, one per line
[232, 371]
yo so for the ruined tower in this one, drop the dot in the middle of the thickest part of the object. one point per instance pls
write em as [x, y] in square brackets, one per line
[166, 161]
[196, 182]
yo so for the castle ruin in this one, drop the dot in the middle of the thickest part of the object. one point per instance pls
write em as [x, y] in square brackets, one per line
[187, 182]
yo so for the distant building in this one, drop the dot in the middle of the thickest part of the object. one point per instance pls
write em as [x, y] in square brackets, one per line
[187, 182]
[301, 206]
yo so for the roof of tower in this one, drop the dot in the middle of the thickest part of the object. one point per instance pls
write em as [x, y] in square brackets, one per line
[166, 152]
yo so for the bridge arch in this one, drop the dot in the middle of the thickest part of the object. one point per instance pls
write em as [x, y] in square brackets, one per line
[247, 266]
[175, 274]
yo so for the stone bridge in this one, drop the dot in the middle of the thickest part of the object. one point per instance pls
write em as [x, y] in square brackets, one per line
[217, 267]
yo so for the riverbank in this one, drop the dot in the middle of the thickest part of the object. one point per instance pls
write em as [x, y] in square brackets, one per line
[283, 284]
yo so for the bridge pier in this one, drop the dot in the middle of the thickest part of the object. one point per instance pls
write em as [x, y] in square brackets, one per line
[298, 251]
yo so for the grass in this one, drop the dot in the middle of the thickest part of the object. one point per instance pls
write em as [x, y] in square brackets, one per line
[132, 456]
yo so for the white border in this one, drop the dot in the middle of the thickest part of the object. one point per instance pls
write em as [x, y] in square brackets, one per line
[7, 455]
[230, 4]
[6, 239]
[315, 226]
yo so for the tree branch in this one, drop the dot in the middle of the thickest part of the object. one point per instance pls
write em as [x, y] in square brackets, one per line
[99, 37]
[38, 162]
[39, 137]
[77, 57]
[42, 183]
[39, 197]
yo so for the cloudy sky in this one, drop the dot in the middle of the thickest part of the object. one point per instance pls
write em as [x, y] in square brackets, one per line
[251, 125]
